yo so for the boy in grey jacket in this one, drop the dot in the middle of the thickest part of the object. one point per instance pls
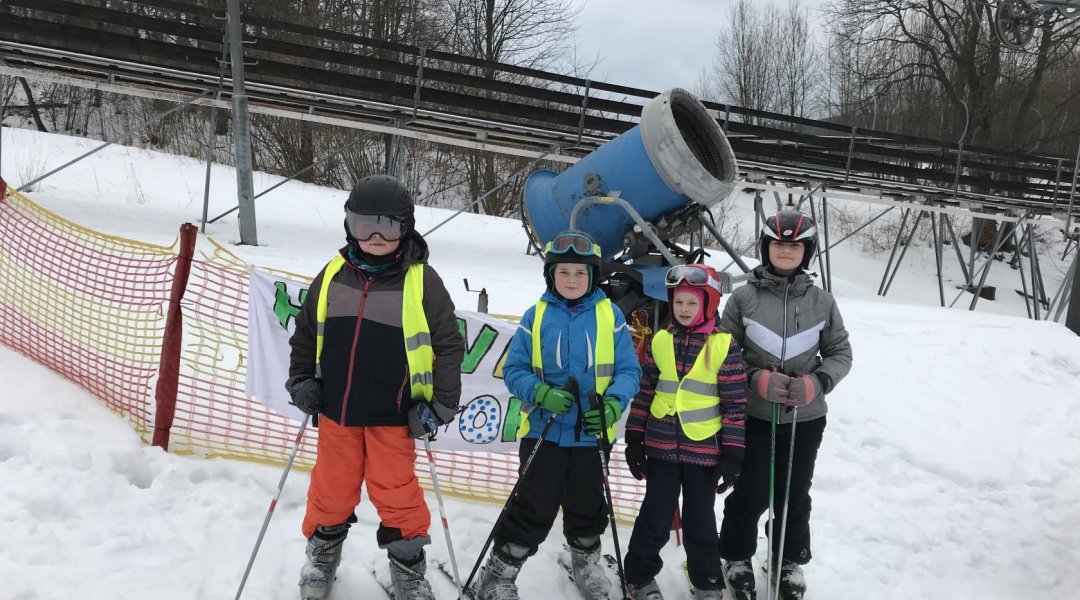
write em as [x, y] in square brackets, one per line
[796, 351]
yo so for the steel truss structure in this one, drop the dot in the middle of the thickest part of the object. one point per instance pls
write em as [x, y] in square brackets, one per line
[169, 50]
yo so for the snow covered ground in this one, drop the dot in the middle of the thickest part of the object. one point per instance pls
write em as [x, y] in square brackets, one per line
[950, 466]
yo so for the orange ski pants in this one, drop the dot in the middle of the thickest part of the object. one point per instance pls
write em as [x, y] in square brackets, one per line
[342, 464]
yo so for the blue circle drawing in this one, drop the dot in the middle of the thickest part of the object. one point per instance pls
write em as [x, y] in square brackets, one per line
[480, 419]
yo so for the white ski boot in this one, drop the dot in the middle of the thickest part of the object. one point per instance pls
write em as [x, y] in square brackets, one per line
[589, 577]
[408, 579]
[707, 594]
[323, 556]
[499, 573]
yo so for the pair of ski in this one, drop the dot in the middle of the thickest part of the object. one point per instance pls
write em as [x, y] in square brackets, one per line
[742, 595]
[441, 567]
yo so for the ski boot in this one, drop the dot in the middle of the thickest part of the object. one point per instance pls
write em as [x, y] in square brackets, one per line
[707, 594]
[792, 582]
[498, 575]
[740, 576]
[323, 556]
[407, 577]
[647, 591]
[589, 577]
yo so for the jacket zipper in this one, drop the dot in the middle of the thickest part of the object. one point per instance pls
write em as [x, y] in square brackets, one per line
[352, 352]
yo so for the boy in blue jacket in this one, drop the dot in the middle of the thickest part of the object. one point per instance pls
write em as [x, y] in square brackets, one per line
[572, 345]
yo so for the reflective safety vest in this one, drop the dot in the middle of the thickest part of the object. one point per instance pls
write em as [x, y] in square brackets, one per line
[418, 351]
[603, 358]
[695, 399]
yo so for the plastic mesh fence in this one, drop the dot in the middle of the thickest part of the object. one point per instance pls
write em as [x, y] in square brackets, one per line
[89, 306]
[92, 308]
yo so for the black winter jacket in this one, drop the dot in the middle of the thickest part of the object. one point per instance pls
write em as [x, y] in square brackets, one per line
[365, 372]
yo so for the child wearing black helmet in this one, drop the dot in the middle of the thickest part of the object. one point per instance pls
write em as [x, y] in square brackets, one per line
[377, 356]
[796, 351]
[573, 346]
[685, 433]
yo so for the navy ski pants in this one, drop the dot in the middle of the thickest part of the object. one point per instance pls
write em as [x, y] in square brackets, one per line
[652, 529]
[750, 498]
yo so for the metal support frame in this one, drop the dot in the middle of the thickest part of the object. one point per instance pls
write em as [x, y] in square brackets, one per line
[724, 244]
[850, 154]
[644, 225]
[956, 247]
[584, 107]
[1018, 244]
[419, 81]
[210, 121]
[120, 138]
[907, 244]
[892, 255]
[245, 192]
[1072, 191]
[939, 234]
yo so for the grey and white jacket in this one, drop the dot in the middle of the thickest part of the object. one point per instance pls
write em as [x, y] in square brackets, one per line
[789, 325]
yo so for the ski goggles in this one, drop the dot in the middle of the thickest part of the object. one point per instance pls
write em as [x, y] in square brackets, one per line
[364, 227]
[572, 242]
[693, 275]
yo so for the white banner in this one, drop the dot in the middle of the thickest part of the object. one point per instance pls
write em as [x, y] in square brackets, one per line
[274, 302]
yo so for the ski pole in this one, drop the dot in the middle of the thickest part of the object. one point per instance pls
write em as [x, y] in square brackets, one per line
[787, 497]
[602, 444]
[775, 414]
[442, 511]
[502, 514]
[273, 505]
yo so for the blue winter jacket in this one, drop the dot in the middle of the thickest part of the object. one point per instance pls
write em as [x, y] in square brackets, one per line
[568, 343]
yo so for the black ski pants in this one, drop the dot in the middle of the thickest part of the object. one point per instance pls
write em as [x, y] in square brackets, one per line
[750, 498]
[652, 529]
[569, 477]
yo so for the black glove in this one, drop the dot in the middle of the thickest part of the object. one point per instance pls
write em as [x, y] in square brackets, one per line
[635, 459]
[306, 394]
[425, 418]
[726, 473]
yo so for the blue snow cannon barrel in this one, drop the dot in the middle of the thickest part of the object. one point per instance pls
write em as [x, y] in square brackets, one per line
[675, 155]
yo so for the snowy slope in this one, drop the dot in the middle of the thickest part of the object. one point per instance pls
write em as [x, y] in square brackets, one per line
[949, 467]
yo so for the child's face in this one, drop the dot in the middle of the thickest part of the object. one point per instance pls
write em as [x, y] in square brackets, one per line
[685, 307]
[571, 280]
[786, 257]
[377, 246]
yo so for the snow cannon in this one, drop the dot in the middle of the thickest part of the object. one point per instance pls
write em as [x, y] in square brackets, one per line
[637, 194]
[676, 155]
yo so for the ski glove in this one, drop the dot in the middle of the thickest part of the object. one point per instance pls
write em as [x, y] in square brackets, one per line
[770, 385]
[555, 399]
[803, 390]
[306, 394]
[612, 411]
[636, 460]
[725, 473]
[425, 418]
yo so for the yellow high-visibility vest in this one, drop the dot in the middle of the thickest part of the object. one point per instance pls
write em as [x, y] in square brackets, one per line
[603, 355]
[696, 399]
[418, 351]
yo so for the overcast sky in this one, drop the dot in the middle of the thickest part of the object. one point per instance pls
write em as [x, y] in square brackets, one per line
[652, 44]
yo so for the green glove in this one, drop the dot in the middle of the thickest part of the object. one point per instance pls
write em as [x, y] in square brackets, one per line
[555, 399]
[612, 412]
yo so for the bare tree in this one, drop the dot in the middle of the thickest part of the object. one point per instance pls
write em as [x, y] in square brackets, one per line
[766, 59]
[918, 58]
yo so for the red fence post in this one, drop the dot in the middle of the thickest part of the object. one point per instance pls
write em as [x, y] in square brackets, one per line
[169, 367]
[3, 188]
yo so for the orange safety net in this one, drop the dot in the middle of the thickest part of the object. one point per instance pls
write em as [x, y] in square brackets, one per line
[92, 307]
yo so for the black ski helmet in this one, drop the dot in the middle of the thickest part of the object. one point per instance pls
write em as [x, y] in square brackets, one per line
[572, 247]
[789, 226]
[381, 195]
